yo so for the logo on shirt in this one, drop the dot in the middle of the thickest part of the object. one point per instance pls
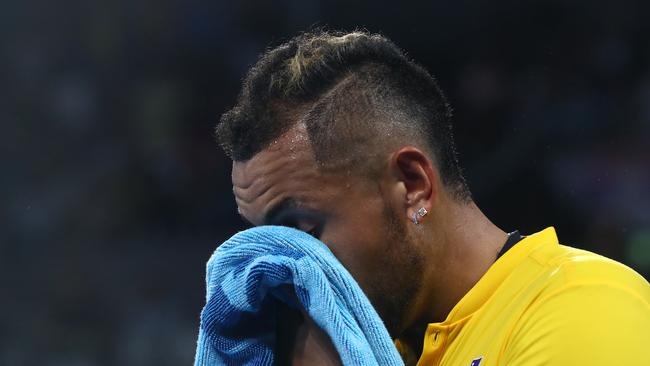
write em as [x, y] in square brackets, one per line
[476, 361]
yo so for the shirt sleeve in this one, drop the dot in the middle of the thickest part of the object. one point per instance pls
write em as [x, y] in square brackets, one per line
[586, 324]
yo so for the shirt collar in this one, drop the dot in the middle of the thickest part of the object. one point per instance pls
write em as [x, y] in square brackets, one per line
[492, 279]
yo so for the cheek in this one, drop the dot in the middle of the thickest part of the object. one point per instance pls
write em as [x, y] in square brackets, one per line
[359, 243]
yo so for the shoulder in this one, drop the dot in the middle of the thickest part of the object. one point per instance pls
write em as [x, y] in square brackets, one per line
[593, 311]
[569, 267]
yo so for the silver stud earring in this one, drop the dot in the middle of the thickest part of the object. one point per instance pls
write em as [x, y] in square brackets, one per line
[422, 211]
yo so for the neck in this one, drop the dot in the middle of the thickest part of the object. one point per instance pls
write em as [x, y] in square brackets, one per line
[462, 245]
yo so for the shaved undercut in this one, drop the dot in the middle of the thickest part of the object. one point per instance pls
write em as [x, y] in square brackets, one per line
[358, 96]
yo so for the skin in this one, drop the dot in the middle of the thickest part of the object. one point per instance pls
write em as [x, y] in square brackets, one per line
[412, 274]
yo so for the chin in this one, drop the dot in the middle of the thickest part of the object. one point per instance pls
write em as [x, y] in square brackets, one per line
[391, 307]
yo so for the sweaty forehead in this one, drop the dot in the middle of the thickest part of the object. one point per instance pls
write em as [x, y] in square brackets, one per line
[292, 147]
[286, 168]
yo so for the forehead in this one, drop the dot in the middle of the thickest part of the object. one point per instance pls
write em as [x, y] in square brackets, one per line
[284, 169]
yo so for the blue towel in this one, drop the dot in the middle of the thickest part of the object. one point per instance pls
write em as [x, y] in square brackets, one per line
[245, 279]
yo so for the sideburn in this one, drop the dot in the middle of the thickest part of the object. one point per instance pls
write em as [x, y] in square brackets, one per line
[393, 290]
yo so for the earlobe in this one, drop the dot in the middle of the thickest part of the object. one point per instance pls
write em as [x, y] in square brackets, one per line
[417, 177]
[415, 217]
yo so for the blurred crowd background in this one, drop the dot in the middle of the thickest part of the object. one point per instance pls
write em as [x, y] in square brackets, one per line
[114, 193]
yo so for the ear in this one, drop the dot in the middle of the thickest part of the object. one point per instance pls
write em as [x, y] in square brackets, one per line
[417, 178]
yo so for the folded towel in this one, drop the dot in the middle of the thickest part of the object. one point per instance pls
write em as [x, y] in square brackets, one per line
[245, 280]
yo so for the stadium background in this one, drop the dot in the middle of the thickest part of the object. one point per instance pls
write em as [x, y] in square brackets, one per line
[114, 193]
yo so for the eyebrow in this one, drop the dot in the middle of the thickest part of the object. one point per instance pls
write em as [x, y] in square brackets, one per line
[274, 213]
[279, 212]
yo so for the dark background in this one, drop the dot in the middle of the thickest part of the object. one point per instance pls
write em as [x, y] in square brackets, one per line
[114, 193]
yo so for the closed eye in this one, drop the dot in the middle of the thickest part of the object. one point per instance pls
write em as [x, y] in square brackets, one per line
[314, 230]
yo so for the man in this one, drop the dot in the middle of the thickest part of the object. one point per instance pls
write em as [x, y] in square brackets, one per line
[344, 137]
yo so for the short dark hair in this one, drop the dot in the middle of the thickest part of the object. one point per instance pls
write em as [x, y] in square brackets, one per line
[355, 92]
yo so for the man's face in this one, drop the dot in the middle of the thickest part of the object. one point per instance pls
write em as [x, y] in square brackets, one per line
[282, 185]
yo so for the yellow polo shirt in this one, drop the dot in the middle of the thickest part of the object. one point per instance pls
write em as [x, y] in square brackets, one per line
[543, 303]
